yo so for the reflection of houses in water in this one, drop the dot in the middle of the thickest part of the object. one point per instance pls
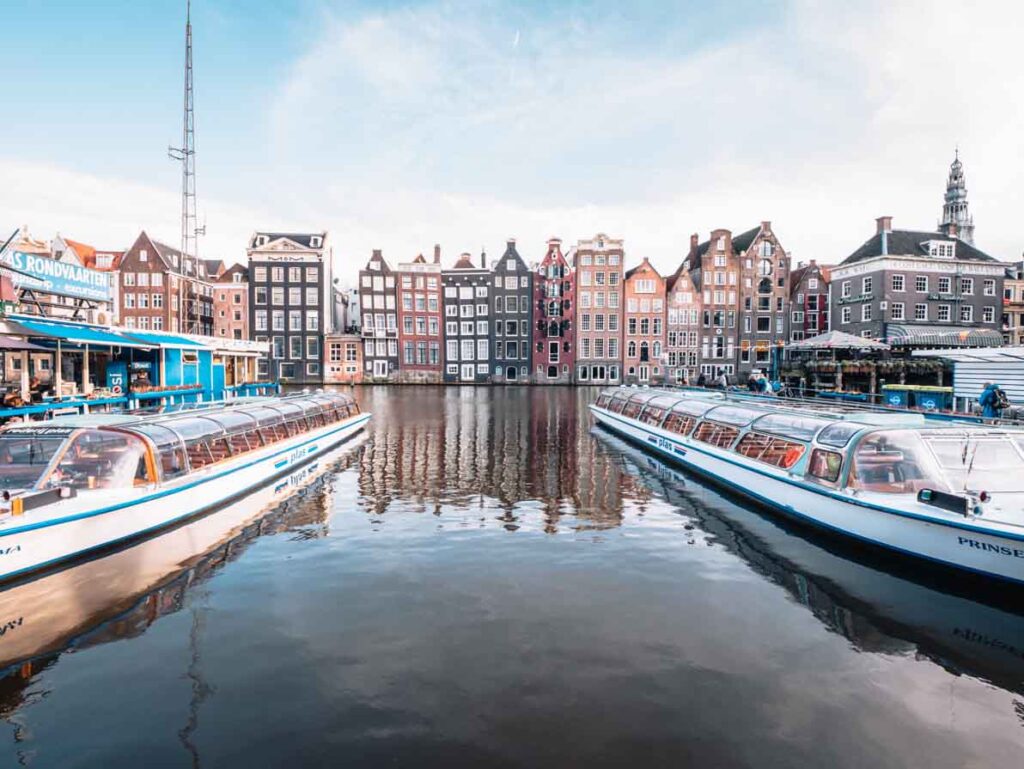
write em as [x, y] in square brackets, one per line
[598, 492]
[460, 446]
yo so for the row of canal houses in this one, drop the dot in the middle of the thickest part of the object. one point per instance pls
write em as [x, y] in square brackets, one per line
[583, 318]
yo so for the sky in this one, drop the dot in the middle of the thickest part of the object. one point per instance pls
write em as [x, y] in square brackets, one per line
[398, 125]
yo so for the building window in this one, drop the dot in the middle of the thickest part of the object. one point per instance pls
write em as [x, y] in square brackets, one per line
[847, 289]
[966, 314]
[944, 313]
[988, 315]
[898, 282]
[897, 311]
[865, 313]
[989, 287]
[847, 314]
[921, 284]
[920, 312]
[967, 286]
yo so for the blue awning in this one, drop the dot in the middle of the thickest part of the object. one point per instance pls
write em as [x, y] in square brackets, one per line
[167, 340]
[79, 333]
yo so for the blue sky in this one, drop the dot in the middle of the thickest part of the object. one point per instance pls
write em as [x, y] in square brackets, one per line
[398, 125]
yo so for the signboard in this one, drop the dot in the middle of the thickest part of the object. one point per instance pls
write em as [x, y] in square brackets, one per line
[41, 273]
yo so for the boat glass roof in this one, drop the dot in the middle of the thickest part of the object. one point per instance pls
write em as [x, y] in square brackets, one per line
[733, 415]
[791, 425]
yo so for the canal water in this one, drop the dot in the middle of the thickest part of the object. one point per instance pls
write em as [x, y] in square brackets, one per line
[486, 580]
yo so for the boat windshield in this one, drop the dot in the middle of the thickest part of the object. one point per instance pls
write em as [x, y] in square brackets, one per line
[978, 462]
[24, 456]
[895, 462]
[101, 459]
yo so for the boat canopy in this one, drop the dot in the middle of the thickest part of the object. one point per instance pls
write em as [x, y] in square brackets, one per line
[868, 452]
[147, 450]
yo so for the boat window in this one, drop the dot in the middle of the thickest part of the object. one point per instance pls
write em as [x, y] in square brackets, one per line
[825, 465]
[604, 399]
[24, 456]
[770, 449]
[716, 434]
[894, 462]
[679, 423]
[978, 463]
[617, 404]
[652, 415]
[838, 434]
[170, 451]
[294, 417]
[791, 425]
[733, 415]
[635, 404]
[102, 459]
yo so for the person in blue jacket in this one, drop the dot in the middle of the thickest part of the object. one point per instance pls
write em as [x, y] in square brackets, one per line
[989, 401]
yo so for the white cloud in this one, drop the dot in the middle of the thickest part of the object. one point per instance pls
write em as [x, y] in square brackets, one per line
[464, 126]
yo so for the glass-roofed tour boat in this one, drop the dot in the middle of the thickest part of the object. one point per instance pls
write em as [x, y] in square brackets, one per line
[77, 484]
[948, 492]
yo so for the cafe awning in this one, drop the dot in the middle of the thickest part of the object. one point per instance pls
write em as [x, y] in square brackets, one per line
[167, 340]
[79, 334]
[943, 336]
[837, 340]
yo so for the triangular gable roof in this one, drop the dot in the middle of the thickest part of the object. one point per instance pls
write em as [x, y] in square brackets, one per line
[464, 263]
[512, 253]
[645, 263]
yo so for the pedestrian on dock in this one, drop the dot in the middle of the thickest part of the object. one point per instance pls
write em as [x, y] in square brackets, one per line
[702, 380]
[992, 401]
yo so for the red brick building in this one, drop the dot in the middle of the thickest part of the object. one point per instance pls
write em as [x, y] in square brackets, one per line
[554, 329]
[420, 320]
[155, 294]
[644, 337]
[343, 359]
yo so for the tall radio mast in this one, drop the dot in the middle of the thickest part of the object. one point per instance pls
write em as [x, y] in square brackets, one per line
[186, 154]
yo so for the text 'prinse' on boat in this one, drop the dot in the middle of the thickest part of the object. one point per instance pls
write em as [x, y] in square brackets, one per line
[948, 492]
[77, 484]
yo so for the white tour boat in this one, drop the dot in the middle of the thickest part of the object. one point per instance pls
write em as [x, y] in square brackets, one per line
[948, 492]
[75, 485]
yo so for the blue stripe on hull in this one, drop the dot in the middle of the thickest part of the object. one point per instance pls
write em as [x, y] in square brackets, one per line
[677, 456]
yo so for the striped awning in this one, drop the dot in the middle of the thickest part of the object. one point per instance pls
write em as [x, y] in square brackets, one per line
[943, 336]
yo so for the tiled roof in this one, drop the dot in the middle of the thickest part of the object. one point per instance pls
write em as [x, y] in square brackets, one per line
[464, 263]
[910, 243]
[85, 252]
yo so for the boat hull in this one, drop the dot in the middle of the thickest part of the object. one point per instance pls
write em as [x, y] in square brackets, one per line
[28, 546]
[953, 543]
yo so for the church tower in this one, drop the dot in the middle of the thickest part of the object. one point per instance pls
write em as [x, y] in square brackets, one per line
[956, 220]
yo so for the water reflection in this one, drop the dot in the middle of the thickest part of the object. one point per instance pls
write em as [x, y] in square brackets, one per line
[493, 448]
[879, 603]
[486, 559]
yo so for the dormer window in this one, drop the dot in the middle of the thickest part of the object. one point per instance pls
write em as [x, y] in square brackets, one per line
[315, 241]
[261, 240]
[943, 249]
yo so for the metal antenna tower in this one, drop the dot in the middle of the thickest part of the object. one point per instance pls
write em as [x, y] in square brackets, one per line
[186, 155]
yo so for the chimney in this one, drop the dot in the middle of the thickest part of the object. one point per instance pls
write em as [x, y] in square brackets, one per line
[694, 241]
[884, 224]
[766, 226]
[483, 258]
[814, 262]
[437, 253]
[376, 253]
